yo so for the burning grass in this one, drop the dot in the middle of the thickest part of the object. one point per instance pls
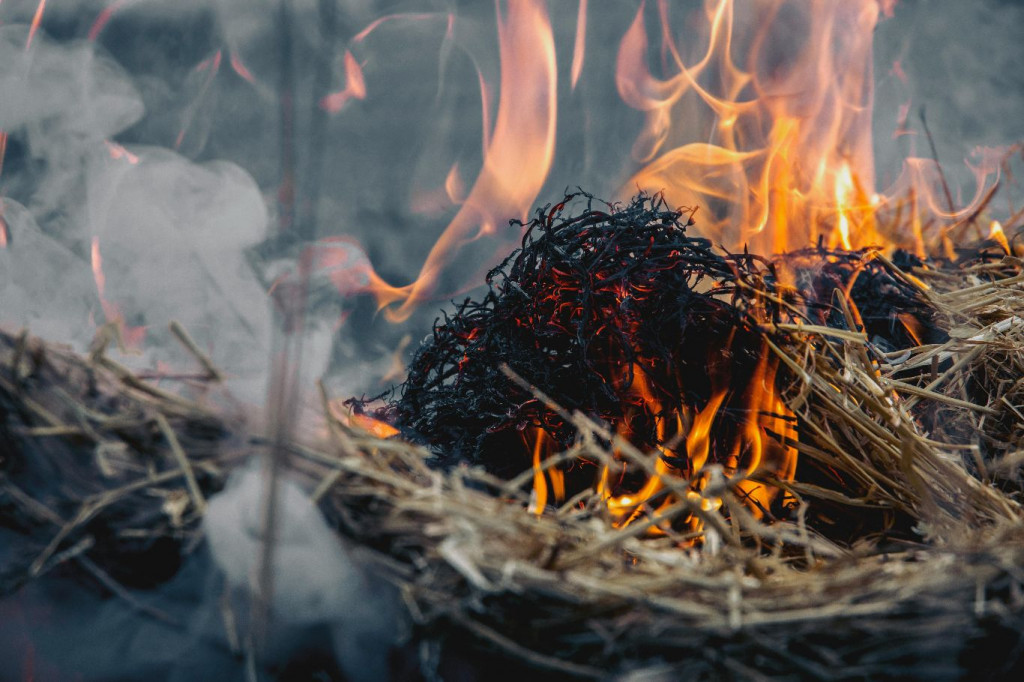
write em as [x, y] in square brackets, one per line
[929, 434]
[896, 553]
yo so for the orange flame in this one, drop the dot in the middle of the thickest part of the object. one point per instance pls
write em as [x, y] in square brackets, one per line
[375, 427]
[408, 16]
[357, 420]
[760, 445]
[241, 69]
[997, 235]
[132, 337]
[355, 87]
[784, 156]
[453, 185]
[37, 19]
[788, 148]
[580, 45]
[104, 17]
[518, 153]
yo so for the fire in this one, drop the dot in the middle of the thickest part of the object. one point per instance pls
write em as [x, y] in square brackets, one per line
[132, 337]
[376, 427]
[37, 19]
[580, 45]
[453, 186]
[3, 149]
[518, 151]
[358, 420]
[788, 136]
[844, 191]
[997, 235]
[104, 17]
[118, 152]
[784, 155]
[241, 69]
[355, 87]
[687, 441]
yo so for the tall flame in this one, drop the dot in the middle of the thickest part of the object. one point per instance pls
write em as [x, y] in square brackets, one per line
[518, 153]
[788, 137]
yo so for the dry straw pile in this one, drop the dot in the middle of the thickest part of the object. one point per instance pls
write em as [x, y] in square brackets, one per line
[929, 439]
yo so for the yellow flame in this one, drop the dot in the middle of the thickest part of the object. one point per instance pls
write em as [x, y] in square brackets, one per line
[844, 193]
[997, 235]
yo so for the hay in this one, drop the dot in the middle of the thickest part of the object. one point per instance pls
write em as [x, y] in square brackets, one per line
[100, 466]
[931, 435]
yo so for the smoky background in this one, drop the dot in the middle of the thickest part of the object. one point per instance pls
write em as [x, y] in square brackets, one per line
[231, 181]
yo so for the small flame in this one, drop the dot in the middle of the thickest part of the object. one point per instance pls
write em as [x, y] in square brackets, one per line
[355, 86]
[844, 195]
[408, 16]
[37, 19]
[376, 427]
[580, 45]
[211, 65]
[117, 152]
[913, 327]
[3, 149]
[453, 185]
[540, 487]
[132, 337]
[357, 420]
[240, 68]
[104, 17]
[997, 235]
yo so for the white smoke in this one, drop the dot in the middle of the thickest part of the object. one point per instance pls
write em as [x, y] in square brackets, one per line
[33, 296]
[171, 234]
[316, 580]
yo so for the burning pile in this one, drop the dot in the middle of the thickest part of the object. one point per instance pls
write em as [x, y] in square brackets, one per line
[648, 451]
[618, 313]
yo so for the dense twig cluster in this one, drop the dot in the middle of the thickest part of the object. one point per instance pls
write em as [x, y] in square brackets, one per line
[619, 313]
